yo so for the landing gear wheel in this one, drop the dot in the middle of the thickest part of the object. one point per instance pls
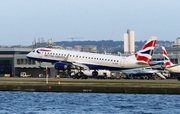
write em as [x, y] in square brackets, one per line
[80, 75]
[95, 74]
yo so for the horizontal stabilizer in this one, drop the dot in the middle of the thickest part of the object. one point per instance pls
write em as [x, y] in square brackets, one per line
[153, 63]
[142, 63]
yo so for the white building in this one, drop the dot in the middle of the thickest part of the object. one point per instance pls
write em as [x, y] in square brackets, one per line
[129, 44]
[177, 43]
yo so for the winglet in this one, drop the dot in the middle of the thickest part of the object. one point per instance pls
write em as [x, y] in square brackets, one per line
[145, 54]
[66, 58]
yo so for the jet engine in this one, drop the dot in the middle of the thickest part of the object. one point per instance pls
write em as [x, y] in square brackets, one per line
[60, 66]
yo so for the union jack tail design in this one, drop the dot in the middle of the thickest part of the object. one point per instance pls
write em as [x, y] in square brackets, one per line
[145, 54]
[167, 61]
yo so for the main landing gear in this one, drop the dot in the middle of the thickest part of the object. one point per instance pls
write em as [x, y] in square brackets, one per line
[79, 75]
[95, 74]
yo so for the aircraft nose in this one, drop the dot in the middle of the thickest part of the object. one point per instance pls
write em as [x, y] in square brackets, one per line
[28, 55]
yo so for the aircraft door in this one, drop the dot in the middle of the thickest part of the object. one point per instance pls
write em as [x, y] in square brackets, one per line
[40, 54]
[122, 62]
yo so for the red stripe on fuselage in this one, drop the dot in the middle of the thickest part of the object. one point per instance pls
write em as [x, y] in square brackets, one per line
[44, 50]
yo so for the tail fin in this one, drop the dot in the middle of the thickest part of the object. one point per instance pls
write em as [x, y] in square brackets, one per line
[145, 54]
[167, 61]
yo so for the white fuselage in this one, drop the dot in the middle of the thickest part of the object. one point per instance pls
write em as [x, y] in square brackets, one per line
[174, 69]
[92, 60]
[140, 70]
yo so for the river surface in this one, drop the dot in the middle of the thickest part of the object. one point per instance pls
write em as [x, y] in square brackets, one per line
[87, 103]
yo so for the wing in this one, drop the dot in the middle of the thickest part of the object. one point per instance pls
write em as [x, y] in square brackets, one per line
[80, 65]
[74, 64]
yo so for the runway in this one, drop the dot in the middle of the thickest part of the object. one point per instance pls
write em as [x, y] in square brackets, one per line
[168, 86]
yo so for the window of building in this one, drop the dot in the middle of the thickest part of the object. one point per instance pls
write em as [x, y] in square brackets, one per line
[25, 61]
[18, 61]
[29, 61]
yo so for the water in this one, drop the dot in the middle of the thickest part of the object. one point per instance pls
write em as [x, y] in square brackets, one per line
[87, 103]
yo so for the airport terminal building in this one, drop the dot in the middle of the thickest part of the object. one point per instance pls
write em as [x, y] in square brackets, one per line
[13, 61]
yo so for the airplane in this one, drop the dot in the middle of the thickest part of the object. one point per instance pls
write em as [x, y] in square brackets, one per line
[145, 73]
[70, 59]
[168, 65]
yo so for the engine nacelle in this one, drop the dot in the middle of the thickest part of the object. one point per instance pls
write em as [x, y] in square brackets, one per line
[60, 66]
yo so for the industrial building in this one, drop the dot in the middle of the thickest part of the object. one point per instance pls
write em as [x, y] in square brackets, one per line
[129, 43]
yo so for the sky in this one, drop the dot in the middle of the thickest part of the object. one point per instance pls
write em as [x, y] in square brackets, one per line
[22, 21]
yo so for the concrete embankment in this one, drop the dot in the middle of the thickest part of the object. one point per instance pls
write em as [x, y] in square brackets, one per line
[94, 86]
